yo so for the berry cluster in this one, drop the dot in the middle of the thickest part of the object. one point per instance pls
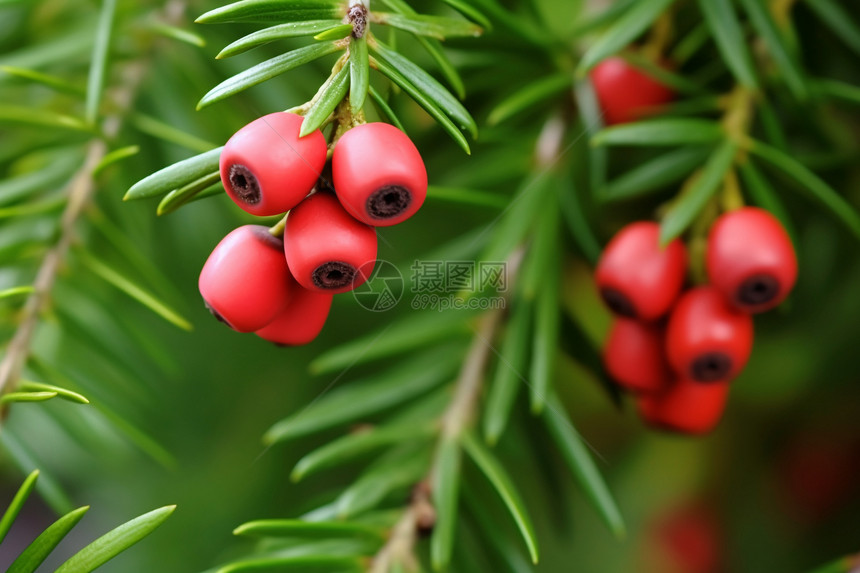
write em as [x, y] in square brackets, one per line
[281, 288]
[678, 351]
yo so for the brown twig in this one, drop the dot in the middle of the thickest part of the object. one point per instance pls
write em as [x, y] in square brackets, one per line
[455, 420]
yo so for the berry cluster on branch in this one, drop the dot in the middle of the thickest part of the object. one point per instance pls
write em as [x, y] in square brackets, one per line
[678, 351]
[282, 288]
[712, 103]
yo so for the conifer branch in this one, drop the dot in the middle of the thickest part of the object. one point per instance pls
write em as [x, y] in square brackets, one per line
[420, 514]
[461, 410]
[79, 192]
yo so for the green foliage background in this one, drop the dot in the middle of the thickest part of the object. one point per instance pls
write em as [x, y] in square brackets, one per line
[206, 397]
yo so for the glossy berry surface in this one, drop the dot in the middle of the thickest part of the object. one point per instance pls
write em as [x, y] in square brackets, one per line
[327, 250]
[625, 93]
[750, 259]
[302, 319]
[707, 340]
[267, 169]
[687, 407]
[634, 356]
[379, 175]
[245, 281]
[636, 277]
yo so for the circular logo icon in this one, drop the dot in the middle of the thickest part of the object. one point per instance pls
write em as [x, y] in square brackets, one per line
[383, 288]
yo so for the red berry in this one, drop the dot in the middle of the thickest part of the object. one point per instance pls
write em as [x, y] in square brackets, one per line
[625, 93]
[818, 473]
[326, 249]
[751, 259]
[301, 321]
[707, 340]
[636, 277]
[690, 537]
[687, 406]
[245, 281]
[634, 356]
[267, 168]
[379, 175]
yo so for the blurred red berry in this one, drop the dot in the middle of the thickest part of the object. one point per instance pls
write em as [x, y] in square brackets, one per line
[379, 176]
[634, 356]
[267, 169]
[302, 319]
[245, 281]
[689, 538]
[686, 406]
[326, 249]
[818, 473]
[636, 277]
[750, 259]
[624, 92]
[707, 340]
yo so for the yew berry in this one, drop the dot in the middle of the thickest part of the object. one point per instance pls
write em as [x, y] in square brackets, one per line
[267, 168]
[245, 282]
[636, 277]
[379, 176]
[707, 340]
[634, 356]
[819, 472]
[326, 249]
[625, 93]
[687, 538]
[302, 319]
[686, 406]
[750, 259]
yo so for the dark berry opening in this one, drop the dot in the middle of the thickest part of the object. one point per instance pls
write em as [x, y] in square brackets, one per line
[334, 274]
[217, 315]
[618, 302]
[388, 202]
[244, 184]
[758, 289]
[711, 367]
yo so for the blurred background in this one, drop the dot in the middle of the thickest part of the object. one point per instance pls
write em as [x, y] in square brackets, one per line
[774, 488]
